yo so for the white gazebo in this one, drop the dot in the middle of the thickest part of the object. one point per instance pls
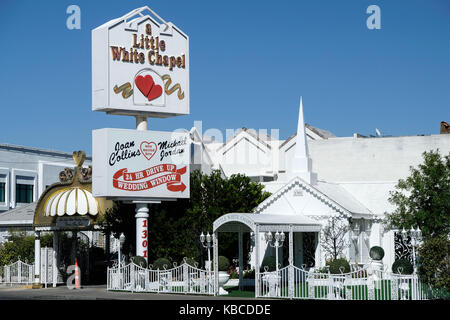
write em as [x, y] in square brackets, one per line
[259, 224]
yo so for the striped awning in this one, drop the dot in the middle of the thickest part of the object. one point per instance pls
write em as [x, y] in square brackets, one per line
[70, 201]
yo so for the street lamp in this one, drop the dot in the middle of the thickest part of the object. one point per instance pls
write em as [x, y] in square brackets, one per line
[279, 239]
[121, 241]
[416, 237]
[206, 242]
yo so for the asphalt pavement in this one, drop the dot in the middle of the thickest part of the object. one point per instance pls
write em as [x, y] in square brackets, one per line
[91, 293]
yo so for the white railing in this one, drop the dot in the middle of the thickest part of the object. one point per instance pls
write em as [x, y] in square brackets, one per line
[184, 279]
[18, 272]
[292, 282]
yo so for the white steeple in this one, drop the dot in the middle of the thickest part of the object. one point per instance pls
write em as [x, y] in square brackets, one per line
[301, 163]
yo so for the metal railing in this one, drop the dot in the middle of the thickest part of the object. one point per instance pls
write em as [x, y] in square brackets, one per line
[292, 282]
[18, 272]
[184, 279]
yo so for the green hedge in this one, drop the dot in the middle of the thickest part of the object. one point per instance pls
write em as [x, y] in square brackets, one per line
[337, 264]
[402, 266]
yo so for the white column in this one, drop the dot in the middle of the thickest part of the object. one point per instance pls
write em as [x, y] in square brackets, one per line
[37, 257]
[141, 123]
[142, 230]
[291, 264]
[318, 253]
[241, 260]
[216, 264]
[141, 209]
[55, 258]
[257, 263]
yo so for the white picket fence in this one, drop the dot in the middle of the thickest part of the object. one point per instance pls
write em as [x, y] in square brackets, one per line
[184, 279]
[18, 272]
[292, 282]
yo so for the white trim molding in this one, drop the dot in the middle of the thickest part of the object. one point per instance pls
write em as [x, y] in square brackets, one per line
[7, 179]
[24, 173]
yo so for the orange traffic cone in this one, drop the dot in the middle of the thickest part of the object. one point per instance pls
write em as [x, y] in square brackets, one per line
[77, 277]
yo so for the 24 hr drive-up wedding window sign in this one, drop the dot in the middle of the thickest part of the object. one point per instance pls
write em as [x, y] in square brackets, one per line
[140, 164]
[140, 66]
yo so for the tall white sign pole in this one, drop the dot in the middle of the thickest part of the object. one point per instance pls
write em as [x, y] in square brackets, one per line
[140, 67]
[141, 210]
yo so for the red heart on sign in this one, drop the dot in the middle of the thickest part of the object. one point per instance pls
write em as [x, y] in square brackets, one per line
[148, 149]
[147, 86]
[155, 92]
[144, 84]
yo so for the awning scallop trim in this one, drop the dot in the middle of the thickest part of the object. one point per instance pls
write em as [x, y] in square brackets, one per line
[70, 201]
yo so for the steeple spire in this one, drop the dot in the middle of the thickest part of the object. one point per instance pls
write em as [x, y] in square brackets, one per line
[301, 163]
[301, 146]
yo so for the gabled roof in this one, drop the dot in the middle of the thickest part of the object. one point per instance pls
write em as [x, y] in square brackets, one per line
[18, 216]
[310, 132]
[249, 132]
[275, 221]
[333, 195]
[321, 132]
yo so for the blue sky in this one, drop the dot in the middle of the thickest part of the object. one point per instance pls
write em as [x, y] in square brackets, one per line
[250, 62]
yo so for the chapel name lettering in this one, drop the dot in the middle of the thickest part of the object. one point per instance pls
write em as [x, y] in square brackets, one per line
[153, 45]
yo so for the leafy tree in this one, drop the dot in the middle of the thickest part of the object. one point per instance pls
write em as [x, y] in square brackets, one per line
[18, 245]
[434, 265]
[423, 198]
[175, 226]
[120, 219]
[22, 245]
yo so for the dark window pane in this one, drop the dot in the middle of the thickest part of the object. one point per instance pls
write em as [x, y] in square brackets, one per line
[24, 193]
[2, 192]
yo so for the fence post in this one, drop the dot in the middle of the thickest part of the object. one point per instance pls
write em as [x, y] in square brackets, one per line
[291, 280]
[19, 272]
[185, 278]
[159, 280]
[147, 280]
[394, 288]
[132, 282]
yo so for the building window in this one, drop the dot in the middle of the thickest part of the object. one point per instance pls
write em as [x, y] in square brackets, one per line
[2, 192]
[24, 193]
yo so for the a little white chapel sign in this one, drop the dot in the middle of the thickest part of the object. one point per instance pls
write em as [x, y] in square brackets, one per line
[140, 66]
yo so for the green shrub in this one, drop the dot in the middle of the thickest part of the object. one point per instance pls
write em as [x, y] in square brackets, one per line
[269, 262]
[140, 261]
[434, 262]
[18, 245]
[338, 265]
[224, 263]
[376, 253]
[402, 266]
[160, 263]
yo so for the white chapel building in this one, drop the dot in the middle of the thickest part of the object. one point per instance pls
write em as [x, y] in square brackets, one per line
[318, 175]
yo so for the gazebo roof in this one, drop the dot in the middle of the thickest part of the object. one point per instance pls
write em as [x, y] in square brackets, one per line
[69, 203]
[234, 222]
